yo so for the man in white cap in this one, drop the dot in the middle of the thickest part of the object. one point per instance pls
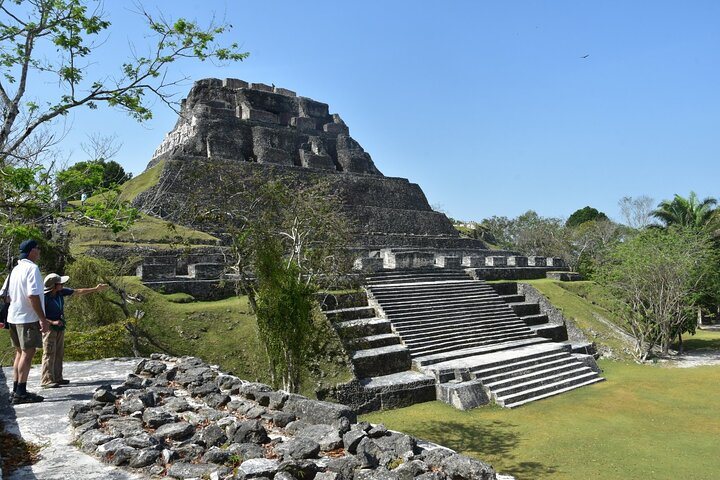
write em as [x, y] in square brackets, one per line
[54, 338]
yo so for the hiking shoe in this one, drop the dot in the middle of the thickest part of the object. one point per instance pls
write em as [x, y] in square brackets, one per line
[51, 385]
[27, 398]
[63, 382]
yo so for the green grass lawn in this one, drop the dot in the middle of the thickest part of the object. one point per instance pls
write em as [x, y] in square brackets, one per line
[644, 422]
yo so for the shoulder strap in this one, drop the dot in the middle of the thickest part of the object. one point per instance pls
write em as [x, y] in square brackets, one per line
[6, 285]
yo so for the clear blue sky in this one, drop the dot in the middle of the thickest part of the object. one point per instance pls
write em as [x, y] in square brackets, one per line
[489, 106]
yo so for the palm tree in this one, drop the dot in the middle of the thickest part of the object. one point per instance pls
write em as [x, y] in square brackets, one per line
[687, 212]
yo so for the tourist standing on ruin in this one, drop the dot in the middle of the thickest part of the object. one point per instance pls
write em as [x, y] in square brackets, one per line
[26, 318]
[54, 338]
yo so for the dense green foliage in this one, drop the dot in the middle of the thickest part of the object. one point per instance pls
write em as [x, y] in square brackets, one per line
[89, 177]
[655, 277]
[586, 214]
[688, 212]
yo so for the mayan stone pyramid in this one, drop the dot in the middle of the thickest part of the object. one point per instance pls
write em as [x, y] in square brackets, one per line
[231, 129]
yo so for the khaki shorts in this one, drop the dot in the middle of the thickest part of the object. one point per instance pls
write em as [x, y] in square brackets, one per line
[26, 335]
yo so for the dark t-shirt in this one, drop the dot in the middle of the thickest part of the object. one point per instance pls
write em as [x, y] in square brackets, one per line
[55, 307]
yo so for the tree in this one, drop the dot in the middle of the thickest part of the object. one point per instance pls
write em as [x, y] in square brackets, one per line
[586, 214]
[89, 177]
[74, 29]
[655, 276]
[290, 238]
[636, 211]
[687, 212]
[37, 88]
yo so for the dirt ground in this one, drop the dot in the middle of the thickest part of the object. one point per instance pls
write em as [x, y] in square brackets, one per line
[695, 359]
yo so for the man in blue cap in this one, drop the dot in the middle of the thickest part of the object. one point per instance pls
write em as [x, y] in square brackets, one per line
[26, 318]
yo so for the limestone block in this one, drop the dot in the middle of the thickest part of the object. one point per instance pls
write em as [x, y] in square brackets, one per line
[206, 271]
[262, 87]
[463, 395]
[367, 264]
[156, 272]
[284, 91]
[304, 124]
[311, 160]
[495, 261]
[160, 260]
[411, 259]
[515, 261]
[208, 82]
[336, 128]
[259, 116]
[473, 261]
[235, 83]
[310, 108]
[536, 261]
[447, 261]
[589, 361]
[273, 155]
[555, 262]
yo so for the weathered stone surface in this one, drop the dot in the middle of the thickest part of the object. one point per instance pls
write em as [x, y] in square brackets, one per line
[175, 431]
[124, 426]
[458, 466]
[193, 443]
[250, 431]
[157, 416]
[315, 411]
[256, 467]
[298, 448]
[184, 470]
[463, 395]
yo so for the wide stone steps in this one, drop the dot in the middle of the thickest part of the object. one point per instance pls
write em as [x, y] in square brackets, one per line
[469, 342]
[414, 276]
[556, 360]
[546, 391]
[435, 330]
[468, 357]
[526, 382]
[439, 301]
[480, 311]
[517, 367]
[450, 324]
[454, 319]
[458, 335]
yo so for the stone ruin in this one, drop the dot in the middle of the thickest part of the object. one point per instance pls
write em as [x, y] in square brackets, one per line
[231, 129]
[181, 418]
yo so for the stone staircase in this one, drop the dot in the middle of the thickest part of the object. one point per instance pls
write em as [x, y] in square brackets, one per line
[380, 362]
[478, 345]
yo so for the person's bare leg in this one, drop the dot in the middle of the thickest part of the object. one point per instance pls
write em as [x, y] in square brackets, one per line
[25, 362]
[16, 364]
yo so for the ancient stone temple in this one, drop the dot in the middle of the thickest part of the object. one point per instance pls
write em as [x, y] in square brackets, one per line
[230, 129]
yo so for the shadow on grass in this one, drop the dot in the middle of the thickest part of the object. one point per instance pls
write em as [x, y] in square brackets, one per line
[496, 439]
[700, 344]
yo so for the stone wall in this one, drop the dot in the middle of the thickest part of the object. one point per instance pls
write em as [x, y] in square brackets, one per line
[180, 418]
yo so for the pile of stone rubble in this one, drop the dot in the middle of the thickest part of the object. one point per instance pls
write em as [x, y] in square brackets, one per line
[181, 418]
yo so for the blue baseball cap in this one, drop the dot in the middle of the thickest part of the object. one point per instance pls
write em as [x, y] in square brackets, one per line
[26, 247]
